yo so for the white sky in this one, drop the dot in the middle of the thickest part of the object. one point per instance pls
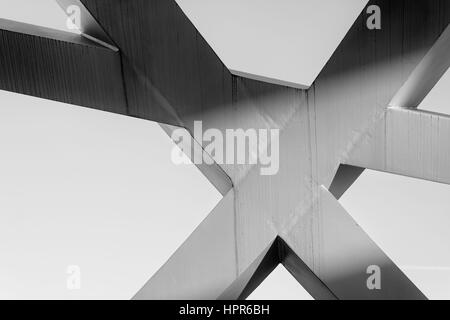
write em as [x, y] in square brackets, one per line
[98, 190]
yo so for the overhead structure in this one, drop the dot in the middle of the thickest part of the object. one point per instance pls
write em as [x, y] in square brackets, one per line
[359, 113]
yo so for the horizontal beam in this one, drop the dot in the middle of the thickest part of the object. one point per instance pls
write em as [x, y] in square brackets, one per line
[407, 142]
[60, 66]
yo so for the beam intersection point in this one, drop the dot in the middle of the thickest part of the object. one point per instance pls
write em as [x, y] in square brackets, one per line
[145, 59]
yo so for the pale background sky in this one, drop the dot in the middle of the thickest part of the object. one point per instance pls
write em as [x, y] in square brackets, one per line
[88, 188]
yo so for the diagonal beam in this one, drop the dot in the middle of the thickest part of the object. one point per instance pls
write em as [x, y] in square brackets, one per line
[60, 66]
[89, 28]
[279, 252]
[407, 142]
[206, 265]
[213, 172]
[171, 72]
[345, 176]
[173, 76]
[366, 71]
[254, 275]
[425, 75]
[343, 254]
[303, 274]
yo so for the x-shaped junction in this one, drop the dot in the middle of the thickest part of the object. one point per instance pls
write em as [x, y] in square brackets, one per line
[144, 58]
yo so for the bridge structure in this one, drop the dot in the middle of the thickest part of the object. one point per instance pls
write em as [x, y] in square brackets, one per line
[145, 59]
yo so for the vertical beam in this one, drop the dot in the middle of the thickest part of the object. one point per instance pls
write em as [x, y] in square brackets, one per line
[173, 76]
[407, 142]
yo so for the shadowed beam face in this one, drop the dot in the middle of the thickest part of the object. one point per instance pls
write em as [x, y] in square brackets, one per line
[318, 127]
[172, 75]
[60, 66]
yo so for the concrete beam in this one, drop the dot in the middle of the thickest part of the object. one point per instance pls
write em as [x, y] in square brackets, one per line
[407, 142]
[345, 176]
[60, 66]
[344, 253]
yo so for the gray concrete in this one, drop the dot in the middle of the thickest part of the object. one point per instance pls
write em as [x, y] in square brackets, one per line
[172, 76]
[407, 142]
